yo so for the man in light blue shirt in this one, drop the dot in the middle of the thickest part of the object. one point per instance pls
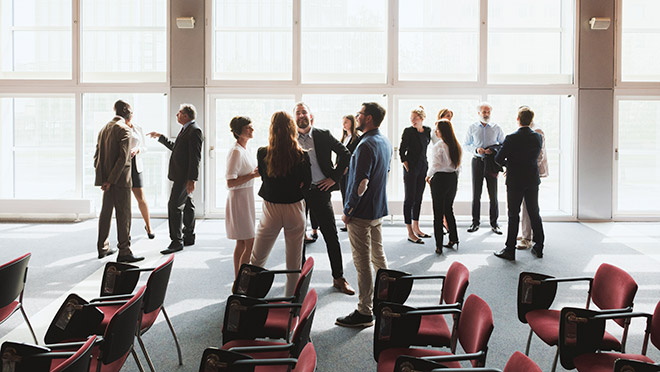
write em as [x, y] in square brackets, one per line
[481, 137]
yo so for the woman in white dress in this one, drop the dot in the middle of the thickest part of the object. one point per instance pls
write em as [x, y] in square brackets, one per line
[241, 170]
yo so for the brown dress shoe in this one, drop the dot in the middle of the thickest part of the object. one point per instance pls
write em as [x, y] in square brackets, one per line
[342, 285]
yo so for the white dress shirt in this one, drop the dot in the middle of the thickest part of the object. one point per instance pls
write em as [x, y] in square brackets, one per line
[439, 160]
[482, 136]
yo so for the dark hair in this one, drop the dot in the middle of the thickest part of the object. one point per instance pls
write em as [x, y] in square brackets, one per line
[237, 124]
[448, 136]
[123, 109]
[189, 110]
[376, 111]
[525, 115]
[353, 133]
[283, 151]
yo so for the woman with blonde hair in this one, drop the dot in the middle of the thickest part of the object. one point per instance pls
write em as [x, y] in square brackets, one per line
[412, 152]
[285, 171]
[445, 113]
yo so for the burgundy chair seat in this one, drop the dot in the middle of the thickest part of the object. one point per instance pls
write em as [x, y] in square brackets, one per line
[387, 358]
[545, 324]
[112, 367]
[604, 362]
[6, 311]
[108, 311]
[267, 355]
[520, 362]
[277, 323]
[433, 330]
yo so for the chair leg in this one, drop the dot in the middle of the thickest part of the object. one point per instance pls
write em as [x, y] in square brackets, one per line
[29, 325]
[146, 355]
[176, 339]
[529, 341]
[554, 362]
[137, 361]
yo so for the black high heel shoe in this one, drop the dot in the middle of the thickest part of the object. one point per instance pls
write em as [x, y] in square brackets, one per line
[150, 235]
[451, 244]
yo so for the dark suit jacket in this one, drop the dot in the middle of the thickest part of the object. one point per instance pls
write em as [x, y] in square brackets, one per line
[112, 159]
[353, 143]
[324, 144]
[519, 154]
[411, 148]
[284, 190]
[186, 154]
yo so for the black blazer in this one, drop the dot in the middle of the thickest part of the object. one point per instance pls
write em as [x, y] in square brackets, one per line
[186, 154]
[519, 154]
[287, 189]
[353, 143]
[412, 149]
[324, 144]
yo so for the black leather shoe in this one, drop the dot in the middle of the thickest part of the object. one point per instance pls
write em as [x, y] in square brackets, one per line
[537, 252]
[107, 252]
[187, 243]
[473, 228]
[151, 235]
[129, 258]
[172, 249]
[507, 254]
[496, 230]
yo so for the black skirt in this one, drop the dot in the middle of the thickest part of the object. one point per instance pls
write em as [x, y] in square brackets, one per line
[135, 176]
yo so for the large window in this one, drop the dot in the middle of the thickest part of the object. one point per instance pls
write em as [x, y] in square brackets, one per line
[36, 39]
[640, 33]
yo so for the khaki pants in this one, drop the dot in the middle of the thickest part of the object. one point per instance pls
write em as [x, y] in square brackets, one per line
[275, 217]
[116, 198]
[367, 245]
[526, 225]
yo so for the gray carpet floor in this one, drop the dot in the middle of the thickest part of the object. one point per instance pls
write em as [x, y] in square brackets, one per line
[64, 260]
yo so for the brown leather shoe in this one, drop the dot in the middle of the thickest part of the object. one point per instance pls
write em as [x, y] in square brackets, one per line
[342, 285]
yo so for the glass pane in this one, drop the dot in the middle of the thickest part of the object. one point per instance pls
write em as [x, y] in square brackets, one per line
[252, 40]
[639, 30]
[531, 42]
[121, 46]
[438, 40]
[638, 166]
[259, 109]
[344, 41]
[150, 113]
[36, 39]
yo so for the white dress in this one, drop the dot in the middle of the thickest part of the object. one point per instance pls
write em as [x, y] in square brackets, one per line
[240, 212]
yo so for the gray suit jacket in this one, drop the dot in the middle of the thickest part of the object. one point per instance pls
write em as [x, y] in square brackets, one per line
[112, 159]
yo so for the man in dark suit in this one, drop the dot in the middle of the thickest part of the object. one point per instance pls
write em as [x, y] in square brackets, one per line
[183, 172]
[320, 144]
[519, 153]
[112, 163]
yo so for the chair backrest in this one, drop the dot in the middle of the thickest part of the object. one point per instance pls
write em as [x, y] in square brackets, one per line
[306, 359]
[534, 294]
[253, 281]
[519, 362]
[455, 284]
[579, 333]
[475, 327]
[242, 320]
[394, 327]
[154, 295]
[80, 361]
[390, 287]
[302, 285]
[627, 365]
[613, 288]
[119, 279]
[218, 360]
[122, 328]
[12, 279]
[301, 334]
[655, 327]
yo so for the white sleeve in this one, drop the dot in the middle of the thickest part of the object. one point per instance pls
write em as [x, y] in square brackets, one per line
[233, 164]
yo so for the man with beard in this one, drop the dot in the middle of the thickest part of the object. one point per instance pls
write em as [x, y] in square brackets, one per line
[479, 141]
[319, 144]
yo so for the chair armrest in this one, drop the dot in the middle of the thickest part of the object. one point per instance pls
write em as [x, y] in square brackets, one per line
[440, 307]
[431, 312]
[625, 313]
[285, 271]
[266, 362]
[261, 349]
[278, 299]
[466, 370]
[110, 298]
[54, 355]
[423, 277]
[105, 303]
[68, 345]
[140, 269]
[277, 306]
[568, 279]
[456, 358]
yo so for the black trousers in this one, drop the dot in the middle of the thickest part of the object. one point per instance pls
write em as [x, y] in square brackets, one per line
[478, 175]
[320, 206]
[413, 185]
[443, 192]
[515, 198]
[181, 213]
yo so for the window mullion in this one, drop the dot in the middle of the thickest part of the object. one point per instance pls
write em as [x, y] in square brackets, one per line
[393, 43]
[297, 43]
[482, 77]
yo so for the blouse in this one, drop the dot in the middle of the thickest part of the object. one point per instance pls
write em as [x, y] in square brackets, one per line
[240, 163]
[439, 160]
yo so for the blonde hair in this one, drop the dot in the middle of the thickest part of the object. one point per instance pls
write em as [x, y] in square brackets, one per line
[419, 110]
[442, 114]
[283, 151]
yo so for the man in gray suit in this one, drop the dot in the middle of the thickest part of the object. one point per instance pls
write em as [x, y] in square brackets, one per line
[112, 161]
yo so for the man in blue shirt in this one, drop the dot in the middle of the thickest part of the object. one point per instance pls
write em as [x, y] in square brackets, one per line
[366, 205]
[481, 137]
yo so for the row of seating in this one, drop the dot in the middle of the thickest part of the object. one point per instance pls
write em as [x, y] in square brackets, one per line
[96, 335]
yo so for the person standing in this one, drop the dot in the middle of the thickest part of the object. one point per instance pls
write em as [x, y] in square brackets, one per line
[350, 137]
[365, 207]
[481, 138]
[444, 163]
[320, 144]
[240, 210]
[183, 172]
[137, 146]
[285, 172]
[412, 152]
[112, 164]
[444, 113]
[519, 153]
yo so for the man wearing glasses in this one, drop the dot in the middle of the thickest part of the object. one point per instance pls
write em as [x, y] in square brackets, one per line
[366, 205]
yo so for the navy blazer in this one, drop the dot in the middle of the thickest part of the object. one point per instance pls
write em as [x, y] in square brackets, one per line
[186, 154]
[519, 154]
[324, 144]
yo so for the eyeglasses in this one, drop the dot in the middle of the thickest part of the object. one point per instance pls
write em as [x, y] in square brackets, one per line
[358, 114]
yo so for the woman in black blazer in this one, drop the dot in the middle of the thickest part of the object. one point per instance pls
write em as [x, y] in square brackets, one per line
[350, 138]
[412, 151]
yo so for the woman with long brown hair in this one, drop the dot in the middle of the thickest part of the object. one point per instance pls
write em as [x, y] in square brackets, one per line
[285, 171]
[350, 137]
[444, 163]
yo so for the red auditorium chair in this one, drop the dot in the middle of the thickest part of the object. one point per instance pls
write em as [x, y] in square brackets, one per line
[12, 283]
[279, 320]
[20, 357]
[395, 286]
[626, 365]
[581, 330]
[217, 360]
[518, 362]
[397, 325]
[611, 289]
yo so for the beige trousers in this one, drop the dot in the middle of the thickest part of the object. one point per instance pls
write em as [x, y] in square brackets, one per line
[526, 229]
[275, 217]
[367, 245]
